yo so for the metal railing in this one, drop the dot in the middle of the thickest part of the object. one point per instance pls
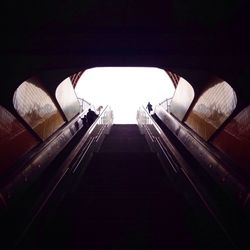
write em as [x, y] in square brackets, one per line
[83, 104]
[166, 104]
[69, 170]
[173, 162]
[158, 140]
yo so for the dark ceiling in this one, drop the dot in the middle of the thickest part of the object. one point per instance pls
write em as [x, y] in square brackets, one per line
[181, 35]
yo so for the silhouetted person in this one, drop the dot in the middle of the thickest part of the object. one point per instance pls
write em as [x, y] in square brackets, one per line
[99, 109]
[149, 107]
[91, 116]
[85, 121]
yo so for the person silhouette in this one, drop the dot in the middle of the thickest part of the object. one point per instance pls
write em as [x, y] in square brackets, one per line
[99, 109]
[149, 107]
[85, 121]
[91, 116]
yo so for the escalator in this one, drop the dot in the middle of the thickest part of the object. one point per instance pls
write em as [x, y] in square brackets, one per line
[124, 200]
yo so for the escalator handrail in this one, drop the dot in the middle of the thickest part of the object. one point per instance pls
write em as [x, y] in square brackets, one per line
[168, 145]
[178, 163]
[214, 165]
[19, 183]
[70, 165]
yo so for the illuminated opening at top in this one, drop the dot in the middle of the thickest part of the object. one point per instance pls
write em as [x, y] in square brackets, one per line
[125, 89]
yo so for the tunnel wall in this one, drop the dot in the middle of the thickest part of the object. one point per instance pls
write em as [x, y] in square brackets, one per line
[31, 120]
[223, 150]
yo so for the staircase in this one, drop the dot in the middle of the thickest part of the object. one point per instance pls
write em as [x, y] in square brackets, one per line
[123, 201]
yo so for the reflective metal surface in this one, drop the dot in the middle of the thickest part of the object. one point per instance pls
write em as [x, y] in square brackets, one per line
[212, 108]
[234, 140]
[206, 157]
[15, 140]
[36, 107]
[183, 97]
[67, 99]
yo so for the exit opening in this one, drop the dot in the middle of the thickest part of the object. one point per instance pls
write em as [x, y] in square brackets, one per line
[125, 89]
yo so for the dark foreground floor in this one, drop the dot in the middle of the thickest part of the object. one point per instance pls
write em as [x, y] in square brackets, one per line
[124, 201]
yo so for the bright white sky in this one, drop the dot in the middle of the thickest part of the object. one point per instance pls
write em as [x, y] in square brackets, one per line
[125, 89]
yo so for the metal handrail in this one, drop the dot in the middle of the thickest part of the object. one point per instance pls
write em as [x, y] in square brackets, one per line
[83, 100]
[230, 182]
[70, 165]
[166, 103]
[176, 161]
[166, 100]
[83, 103]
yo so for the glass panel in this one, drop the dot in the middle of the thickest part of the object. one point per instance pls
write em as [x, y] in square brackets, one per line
[67, 99]
[37, 109]
[234, 139]
[15, 140]
[182, 99]
[212, 108]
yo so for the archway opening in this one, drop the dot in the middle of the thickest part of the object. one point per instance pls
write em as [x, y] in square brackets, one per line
[124, 89]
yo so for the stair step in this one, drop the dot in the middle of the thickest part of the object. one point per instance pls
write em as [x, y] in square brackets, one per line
[125, 138]
[126, 172]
